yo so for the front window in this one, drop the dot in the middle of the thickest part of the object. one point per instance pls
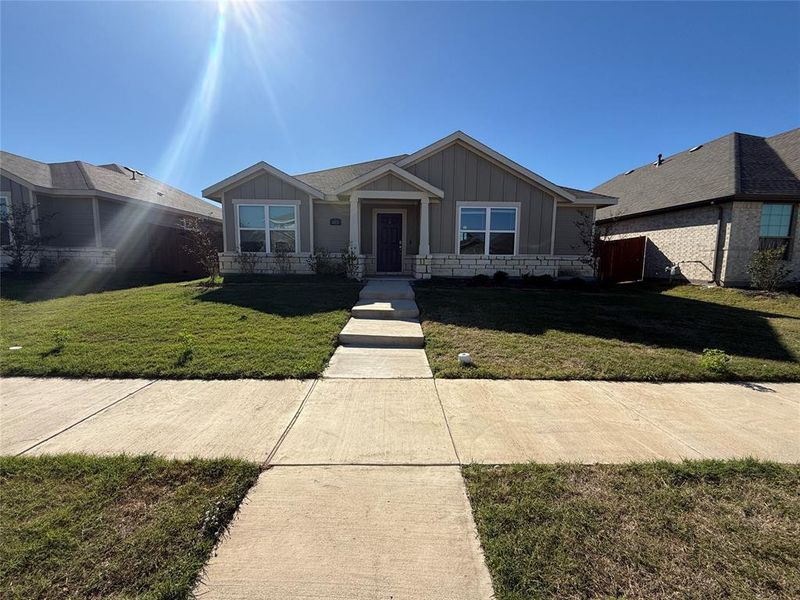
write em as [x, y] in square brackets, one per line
[485, 230]
[263, 226]
[776, 225]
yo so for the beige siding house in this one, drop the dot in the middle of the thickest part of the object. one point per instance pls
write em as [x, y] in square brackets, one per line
[105, 217]
[707, 209]
[455, 208]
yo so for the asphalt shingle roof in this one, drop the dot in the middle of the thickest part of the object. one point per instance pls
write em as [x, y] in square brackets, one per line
[329, 180]
[735, 164]
[106, 179]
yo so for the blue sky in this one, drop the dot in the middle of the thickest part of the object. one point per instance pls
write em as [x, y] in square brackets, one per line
[576, 92]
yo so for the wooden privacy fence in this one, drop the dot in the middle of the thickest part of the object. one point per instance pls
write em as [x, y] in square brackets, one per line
[622, 260]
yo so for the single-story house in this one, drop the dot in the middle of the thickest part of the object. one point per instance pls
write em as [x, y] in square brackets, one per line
[454, 208]
[708, 208]
[102, 217]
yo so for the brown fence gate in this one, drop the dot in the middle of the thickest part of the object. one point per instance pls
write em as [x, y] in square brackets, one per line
[623, 260]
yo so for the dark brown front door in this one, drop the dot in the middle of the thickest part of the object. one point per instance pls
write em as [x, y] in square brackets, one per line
[390, 243]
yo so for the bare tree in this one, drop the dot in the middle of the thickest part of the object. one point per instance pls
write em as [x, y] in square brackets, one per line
[23, 226]
[201, 242]
[591, 237]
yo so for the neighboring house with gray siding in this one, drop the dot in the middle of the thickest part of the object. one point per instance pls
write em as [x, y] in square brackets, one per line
[102, 217]
[453, 208]
[707, 209]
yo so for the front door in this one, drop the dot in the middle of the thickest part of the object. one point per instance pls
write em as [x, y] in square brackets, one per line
[389, 236]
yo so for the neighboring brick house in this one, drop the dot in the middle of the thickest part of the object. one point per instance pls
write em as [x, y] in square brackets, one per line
[100, 218]
[709, 208]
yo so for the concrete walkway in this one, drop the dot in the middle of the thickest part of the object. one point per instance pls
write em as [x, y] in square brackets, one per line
[383, 339]
[361, 496]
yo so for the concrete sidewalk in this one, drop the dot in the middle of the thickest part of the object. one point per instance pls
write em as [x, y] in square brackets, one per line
[381, 422]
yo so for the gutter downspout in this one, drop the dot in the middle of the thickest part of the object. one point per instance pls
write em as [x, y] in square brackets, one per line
[717, 246]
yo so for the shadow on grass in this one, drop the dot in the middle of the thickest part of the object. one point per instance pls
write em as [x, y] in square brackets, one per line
[37, 287]
[286, 296]
[637, 315]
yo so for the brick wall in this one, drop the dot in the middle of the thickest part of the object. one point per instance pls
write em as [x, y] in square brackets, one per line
[266, 264]
[688, 236]
[685, 236]
[465, 265]
[744, 240]
[48, 259]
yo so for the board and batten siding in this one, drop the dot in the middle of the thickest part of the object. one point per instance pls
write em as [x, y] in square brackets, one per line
[266, 187]
[389, 182]
[465, 176]
[568, 233]
[333, 238]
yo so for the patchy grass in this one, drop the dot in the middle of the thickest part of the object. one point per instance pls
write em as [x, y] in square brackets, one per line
[709, 529]
[643, 333]
[269, 328]
[120, 527]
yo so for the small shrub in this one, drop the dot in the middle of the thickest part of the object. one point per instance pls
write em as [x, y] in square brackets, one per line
[185, 346]
[500, 277]
[767, 269]
[321, 262]
[281, 258]
[247, 262]
[479, 280]
[715, 360]
[350, 264]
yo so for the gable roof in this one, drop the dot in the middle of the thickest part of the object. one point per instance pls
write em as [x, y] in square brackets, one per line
[735, 164]
[385, 168]
[329, 180]
[215, 191]
[78, 177]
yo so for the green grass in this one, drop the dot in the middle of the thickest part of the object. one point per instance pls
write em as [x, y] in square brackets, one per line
[273, 328]
[640, 333]
[710, 529]
[120, 527]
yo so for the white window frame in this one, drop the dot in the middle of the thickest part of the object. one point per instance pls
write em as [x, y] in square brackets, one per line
[487, 231]
[265, 207]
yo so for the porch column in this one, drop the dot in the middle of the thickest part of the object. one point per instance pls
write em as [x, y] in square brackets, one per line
[355, 225]
[424, 226]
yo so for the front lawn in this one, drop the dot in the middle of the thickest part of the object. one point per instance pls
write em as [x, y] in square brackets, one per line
[119, 527]
[644, 333]
[710, 529]
[273, 328]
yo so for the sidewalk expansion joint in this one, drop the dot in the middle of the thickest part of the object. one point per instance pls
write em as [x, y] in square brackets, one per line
[87, 417]
[446, 422]
[266, 464]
